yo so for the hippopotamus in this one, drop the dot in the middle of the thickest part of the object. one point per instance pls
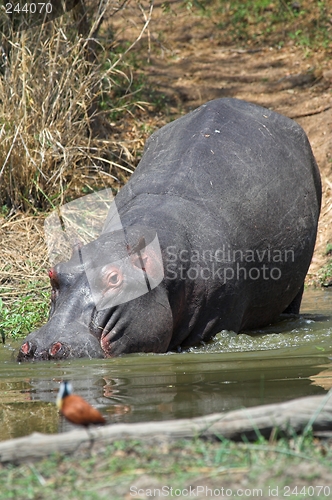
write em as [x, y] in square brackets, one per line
[218, 227]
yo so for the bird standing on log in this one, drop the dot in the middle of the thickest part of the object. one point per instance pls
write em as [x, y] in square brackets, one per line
[75, 409]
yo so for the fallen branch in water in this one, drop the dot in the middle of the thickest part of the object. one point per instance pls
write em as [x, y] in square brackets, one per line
[295, 416]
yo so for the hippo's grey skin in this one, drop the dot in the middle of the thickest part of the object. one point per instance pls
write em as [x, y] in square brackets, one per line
[233, 192]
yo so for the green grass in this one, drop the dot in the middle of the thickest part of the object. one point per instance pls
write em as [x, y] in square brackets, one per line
[325, 274]
[25, 313]
[262, 21]
[68, 114]
[125, 467]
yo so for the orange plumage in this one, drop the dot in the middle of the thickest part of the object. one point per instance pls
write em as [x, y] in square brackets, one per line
[75, 409]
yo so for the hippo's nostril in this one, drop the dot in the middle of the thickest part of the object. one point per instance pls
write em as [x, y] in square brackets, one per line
[55, 349]
[26, 351]
[26, 348]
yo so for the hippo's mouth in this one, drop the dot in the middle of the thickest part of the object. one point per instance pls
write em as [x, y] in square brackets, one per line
[108, 328]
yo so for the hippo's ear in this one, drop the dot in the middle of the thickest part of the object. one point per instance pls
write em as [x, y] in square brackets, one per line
[137, 254]
[76, 245]
[147, 256]
[138, 247]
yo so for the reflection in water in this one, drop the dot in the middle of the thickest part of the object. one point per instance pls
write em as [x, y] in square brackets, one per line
[274, 364]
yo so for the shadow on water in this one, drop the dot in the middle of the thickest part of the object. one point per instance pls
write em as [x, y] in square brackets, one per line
[287, 360]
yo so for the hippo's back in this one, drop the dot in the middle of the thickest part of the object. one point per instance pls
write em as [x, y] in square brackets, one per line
[249, 167]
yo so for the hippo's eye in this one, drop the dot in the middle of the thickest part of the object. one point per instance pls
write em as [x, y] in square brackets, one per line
[113, 278]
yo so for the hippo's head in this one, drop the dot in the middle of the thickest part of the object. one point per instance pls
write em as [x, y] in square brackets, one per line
[108, 299]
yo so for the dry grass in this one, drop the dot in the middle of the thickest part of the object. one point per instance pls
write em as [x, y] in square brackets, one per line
[23, 260]
[49, 87]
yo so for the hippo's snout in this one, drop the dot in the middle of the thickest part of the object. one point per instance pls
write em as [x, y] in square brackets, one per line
[39, 347]
[29, 351]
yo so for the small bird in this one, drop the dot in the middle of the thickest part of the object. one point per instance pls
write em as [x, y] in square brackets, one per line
[75, 409]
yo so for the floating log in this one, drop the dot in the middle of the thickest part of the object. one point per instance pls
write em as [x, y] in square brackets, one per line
[286, 418]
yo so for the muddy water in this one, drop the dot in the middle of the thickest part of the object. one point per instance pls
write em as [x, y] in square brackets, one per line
[290, 359]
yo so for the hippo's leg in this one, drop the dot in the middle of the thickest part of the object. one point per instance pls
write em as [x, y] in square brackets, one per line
[294, 306]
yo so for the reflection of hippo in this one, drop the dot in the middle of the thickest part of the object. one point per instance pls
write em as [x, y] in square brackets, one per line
[233, 192]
